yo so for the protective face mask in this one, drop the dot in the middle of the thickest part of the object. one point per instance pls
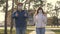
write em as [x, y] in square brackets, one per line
[19, 7]
[40, 11]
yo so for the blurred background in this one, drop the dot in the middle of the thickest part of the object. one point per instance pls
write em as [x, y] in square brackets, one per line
[51, 7]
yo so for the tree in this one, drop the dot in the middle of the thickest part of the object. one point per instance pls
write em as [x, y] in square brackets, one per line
[57, 8]
[49, 9]
[5, 31]
[54, 12]
[12, 23]
[2, 1]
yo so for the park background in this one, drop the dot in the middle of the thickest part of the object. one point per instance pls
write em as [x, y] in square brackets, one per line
[51, 7]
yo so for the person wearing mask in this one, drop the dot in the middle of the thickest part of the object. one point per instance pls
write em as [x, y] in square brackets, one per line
[20, 17]
[40, 20]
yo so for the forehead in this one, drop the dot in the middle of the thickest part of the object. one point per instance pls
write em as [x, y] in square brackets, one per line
[20, 4]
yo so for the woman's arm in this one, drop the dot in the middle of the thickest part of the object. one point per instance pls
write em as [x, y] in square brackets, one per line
[34, 17]
[45, 19]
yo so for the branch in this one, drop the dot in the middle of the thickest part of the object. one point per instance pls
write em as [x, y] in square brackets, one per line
[55, 9]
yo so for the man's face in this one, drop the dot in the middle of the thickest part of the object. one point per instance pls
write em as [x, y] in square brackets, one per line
[20, 7]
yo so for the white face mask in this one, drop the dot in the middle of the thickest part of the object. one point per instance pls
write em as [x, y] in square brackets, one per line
[19, 7]
[40, 11]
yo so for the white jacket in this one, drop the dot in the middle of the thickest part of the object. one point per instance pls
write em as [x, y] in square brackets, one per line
[40, 20]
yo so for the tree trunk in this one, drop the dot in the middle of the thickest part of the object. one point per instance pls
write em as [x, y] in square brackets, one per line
[5, 31]
[11, 17]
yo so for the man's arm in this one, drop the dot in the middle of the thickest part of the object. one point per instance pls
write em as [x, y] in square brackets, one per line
[26, 14]
[14, 15]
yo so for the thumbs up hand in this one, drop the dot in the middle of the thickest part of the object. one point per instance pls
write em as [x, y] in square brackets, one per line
[16, 14]
[25, 14]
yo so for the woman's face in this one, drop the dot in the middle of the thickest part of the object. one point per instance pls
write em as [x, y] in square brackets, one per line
[40, 11]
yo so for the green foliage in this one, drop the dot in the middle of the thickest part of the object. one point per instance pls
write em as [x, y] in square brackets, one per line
[14, 32]
[56, 31]
[55, 20]
[2, 1]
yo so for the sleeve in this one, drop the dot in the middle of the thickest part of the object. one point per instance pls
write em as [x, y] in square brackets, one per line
[26, 14]
[34, 17]
[45, 19]
[13, 15]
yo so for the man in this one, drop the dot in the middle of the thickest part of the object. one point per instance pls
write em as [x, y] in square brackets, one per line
[20, 17]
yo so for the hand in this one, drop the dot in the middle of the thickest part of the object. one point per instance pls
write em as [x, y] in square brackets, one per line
[16, 14]
[25, 15]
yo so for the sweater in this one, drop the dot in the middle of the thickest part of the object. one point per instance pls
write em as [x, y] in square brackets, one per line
[40, 20]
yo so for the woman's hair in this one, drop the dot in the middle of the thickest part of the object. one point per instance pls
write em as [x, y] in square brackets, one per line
[38, 11]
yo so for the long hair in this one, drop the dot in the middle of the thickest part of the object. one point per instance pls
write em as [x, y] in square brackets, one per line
[38, 11]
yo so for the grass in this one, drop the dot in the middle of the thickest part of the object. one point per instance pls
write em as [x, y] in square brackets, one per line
[46, 26]
[56, 31]
[14, 32]
[28, 31]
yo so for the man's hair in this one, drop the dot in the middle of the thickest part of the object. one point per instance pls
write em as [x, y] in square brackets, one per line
[20, 4]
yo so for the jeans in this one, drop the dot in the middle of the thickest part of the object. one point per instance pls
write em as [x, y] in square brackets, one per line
[40, 30]
[20, 30]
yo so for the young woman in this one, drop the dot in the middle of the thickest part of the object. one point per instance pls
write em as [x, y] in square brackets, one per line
[40, 20]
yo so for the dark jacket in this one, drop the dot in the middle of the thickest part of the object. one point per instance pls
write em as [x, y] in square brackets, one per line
[20, 20]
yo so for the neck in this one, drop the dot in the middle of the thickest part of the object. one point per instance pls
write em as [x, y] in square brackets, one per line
[19, 9]
[39, 13]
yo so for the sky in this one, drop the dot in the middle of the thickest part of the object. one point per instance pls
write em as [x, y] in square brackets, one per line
[2, 16]
[48, 1]
[52, 1]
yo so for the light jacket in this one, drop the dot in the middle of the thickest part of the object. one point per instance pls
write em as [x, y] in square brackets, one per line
[20, 20]
[40, 20]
